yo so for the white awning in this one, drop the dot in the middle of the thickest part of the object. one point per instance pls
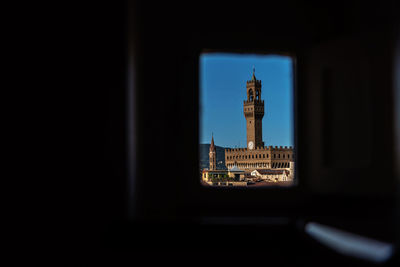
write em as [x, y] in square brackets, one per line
[235, 169]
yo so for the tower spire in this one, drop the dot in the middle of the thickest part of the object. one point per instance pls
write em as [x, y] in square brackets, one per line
[212, 142]
[253, 78]
[212, 155]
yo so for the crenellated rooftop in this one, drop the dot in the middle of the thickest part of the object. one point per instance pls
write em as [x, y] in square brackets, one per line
[268, 148]
[254, 82]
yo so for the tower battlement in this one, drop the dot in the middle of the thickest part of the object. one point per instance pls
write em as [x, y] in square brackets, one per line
[259, 148]
[253, 102]
[255, 82]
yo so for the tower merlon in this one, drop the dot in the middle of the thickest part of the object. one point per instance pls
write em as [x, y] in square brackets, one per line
[257, 82]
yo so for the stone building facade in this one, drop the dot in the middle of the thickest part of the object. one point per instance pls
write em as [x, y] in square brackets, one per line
[281, 175]
[256, 155]
[259, 158]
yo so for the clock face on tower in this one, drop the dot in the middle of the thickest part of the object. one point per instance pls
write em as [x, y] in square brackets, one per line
[251, 145]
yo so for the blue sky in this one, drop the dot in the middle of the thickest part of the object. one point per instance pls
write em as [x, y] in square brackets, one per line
[222, 91]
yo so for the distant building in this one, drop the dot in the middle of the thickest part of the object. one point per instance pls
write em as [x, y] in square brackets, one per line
[207, 175]
[272, 175]
[212, 176]
[291, 170]
[256, 155]
[224, 178]
[236, 173]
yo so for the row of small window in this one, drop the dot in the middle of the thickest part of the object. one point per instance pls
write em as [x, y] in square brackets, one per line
[256, 109]
[259, 156]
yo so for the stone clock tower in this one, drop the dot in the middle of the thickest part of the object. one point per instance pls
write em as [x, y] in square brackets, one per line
[253, 109]
[256, 155]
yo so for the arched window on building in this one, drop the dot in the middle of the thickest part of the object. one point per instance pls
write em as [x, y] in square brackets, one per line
[251, 95]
